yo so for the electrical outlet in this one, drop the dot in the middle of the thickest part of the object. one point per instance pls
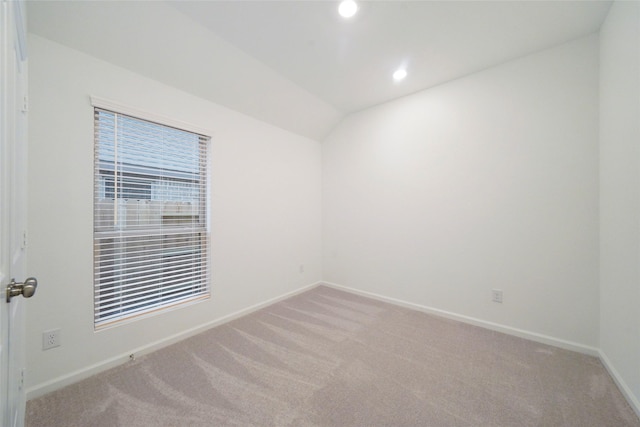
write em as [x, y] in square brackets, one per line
[50, 339]
[496, 295]
[301, 268]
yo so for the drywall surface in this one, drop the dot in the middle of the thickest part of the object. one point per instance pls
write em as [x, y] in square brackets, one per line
[265, 210]
[620, 193]
[489, 181]
[162, 43]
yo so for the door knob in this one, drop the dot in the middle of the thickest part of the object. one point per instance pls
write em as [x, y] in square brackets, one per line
[26, 289]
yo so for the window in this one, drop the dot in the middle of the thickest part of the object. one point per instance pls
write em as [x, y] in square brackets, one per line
[151, 246]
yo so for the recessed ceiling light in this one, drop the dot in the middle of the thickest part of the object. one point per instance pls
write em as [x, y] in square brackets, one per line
[347, 8]
[399, 74]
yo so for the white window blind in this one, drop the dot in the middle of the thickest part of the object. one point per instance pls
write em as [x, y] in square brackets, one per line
[151, 246]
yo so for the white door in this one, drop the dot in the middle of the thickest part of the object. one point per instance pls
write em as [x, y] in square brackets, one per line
[13, 150]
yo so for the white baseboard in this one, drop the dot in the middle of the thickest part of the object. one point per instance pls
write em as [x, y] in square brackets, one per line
[73, 377]
[622, 385]
[88, 371]
[533, 336]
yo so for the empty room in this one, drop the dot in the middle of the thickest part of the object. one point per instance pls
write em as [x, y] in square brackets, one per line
[314, 213]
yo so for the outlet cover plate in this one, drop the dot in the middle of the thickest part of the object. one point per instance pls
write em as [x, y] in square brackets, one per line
[50, 339]
[496, 295]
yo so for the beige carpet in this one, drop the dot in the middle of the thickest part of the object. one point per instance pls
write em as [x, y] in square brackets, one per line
[330, 358]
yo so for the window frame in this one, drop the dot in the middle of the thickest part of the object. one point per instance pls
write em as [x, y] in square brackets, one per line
[175, 232]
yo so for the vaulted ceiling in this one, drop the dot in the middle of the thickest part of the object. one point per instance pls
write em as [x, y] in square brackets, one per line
[299, 65]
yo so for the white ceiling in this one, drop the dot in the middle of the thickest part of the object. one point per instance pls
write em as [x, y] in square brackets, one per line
[298, 64]
[349, 62]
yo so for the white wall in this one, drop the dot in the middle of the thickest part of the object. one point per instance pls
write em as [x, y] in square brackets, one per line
[265, 204]
[620, 195]
[489, 181]
[161, 41]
